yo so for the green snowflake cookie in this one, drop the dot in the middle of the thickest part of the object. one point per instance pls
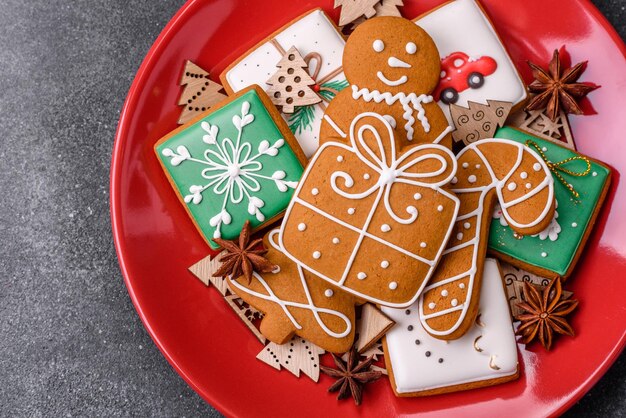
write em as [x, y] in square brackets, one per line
[554, 251]
[234, 164]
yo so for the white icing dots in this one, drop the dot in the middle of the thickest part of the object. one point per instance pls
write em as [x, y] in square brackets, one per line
[384, 264]
[528, 185]
[339, 158]
[536, 166]
[544, 254]
[594, 174]
[301, 226]
[511, 186]
[454, 302]
[523, 175]
[461, 285]
[351, 211]
[431, 305]
[454, 180]
[423, 245]
[477, 166]
[361, 276]
[328, 293]
[335, 240]
[366, 176]
[378, 45]
[315, 191]
[393, 285]
[465, 165]
[316, 255]
[574, 224]
[444, 293]
[544, 149]
[417, 196]
[385, 228]
[467, 225]
[459, 236]
[471, 179]
[440, 208]
[411, 48]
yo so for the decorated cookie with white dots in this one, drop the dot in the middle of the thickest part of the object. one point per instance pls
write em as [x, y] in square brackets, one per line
[320, 43]
[489, 173]
[381, 217]
[555, 250]
[296, 302]
[392, 67]
[419, 364]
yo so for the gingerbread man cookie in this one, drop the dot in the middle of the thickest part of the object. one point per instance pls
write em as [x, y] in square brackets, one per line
[392, 66]
[490, 171]
[296, 302]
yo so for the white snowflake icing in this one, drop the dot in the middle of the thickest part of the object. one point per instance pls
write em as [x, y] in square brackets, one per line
[231, 169]
[552, 231]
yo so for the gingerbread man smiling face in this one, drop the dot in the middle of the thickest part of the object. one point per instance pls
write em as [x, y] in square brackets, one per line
[392, 54]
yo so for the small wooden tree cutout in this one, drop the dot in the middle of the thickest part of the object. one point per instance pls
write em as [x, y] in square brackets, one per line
[539, 124]
[478, 121]
[297, 356]
[292, 85]
[351, 10]
[199, 93]
[370, 328]
[383, 8]
[204, 270]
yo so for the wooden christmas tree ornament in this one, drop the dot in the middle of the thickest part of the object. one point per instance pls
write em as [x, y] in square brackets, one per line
[297, 356]
[371, 327]
[292, 85]
[478, 121]
[537, 122]
[351, 10]
[383, 8]
[199, 93]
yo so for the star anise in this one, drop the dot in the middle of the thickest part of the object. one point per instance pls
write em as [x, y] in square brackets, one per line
[557, 89]
[243, 257]
[351, 375]
[544, 314]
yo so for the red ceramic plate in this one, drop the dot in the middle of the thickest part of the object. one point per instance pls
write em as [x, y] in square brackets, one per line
[203, 339]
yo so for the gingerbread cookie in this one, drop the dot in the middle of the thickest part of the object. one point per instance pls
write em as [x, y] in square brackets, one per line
[320, 43]
[371, 217]
[296, 302]
[392, 66]
[475, 65]
[236, 162]
[486, 355]
[490, 171]
[581, 186]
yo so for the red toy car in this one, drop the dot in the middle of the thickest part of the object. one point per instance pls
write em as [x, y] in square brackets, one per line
[460, 72]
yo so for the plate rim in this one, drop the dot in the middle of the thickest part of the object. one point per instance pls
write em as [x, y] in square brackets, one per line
[132, 97]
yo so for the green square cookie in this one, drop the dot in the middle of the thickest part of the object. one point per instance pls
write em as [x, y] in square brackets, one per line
[555, 250]
[237, 162]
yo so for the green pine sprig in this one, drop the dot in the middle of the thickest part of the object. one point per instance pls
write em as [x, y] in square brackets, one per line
[302, 117]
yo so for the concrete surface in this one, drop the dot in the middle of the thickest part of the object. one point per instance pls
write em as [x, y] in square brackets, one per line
[70, 341]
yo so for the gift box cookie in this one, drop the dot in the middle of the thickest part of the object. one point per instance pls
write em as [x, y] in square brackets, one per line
[475, 65]
[580, 186]
[420, 365]
[321, 44]
[370, 218]
[236, 162]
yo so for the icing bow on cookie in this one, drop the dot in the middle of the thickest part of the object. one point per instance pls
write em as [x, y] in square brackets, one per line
[429, 165]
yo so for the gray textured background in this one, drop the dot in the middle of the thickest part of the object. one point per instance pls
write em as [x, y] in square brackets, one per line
[70, 341]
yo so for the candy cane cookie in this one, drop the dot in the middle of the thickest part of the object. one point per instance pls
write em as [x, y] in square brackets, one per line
[489, 171]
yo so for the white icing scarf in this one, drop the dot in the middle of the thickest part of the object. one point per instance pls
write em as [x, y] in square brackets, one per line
[410, 103]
